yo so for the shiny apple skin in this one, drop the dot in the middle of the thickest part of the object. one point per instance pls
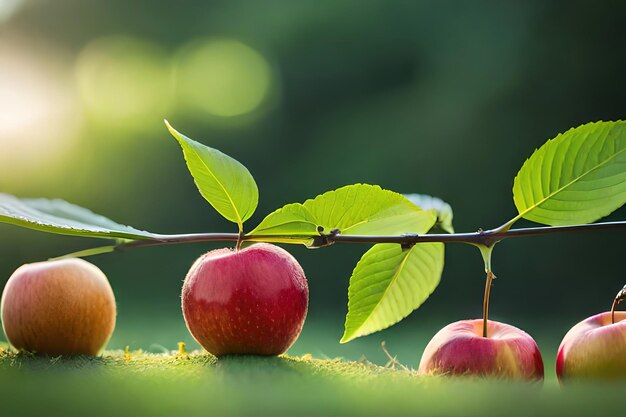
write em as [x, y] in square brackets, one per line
[248, 302]
[460, 349]
[594, 349]
[63, 307]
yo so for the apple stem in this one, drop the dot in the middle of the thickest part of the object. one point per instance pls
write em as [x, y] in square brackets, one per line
[486, 253]
[621, 296]
[240, 238]
[488, 281]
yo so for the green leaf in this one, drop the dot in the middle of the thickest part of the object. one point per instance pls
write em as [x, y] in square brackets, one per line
[441, 208]
[358, 209]
[363, 209]
[224, 182]
[389, 283]
[58, 216]
[576, 178]
[291, 220]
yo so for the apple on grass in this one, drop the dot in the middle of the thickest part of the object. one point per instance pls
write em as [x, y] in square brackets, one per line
[63, 307]
[248, 301]
[595, 347]
[461, 349]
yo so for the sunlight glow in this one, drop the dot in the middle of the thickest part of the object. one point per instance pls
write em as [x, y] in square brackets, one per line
[8, 8]
[39, 117]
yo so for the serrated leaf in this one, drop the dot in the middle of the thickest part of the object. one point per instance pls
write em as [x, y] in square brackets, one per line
[363, 209]
[223, 181]
[441, 208]
[358, 209]
[576, 178]
[61, 217]
[389, 283]
[292, 219]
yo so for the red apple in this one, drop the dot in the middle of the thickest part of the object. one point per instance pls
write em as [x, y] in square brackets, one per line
[594, 348]
[63, 307]
[460, 349]
[248, 301]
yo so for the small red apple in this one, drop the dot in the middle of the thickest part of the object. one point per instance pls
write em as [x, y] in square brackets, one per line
[63, 307]
[460, 349]
[594, 348]
[248, 301]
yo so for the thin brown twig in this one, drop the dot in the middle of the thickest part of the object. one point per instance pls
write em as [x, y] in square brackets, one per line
[486, 238]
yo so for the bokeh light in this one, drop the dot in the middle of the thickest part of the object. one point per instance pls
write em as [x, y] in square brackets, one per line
[222, 77]
[124, 82]
[39, 113]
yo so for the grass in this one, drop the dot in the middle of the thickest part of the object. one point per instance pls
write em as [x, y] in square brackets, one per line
[181, 384]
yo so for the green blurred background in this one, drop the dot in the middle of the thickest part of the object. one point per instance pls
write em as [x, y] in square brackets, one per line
[444, 98]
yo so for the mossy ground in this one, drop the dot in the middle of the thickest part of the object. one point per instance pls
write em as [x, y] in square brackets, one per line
[195, 383]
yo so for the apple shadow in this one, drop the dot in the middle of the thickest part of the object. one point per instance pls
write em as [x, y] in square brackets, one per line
[254, 366]
[25, 360]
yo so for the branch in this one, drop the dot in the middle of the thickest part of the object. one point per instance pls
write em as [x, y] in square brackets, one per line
[486, 238]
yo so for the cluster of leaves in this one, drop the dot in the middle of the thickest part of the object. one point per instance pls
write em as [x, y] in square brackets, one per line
[576, 178]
